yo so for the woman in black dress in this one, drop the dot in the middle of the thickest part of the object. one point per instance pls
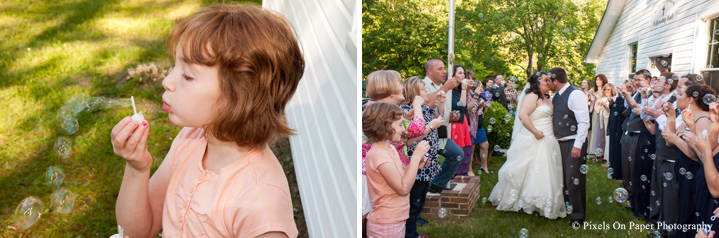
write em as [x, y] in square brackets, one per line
[695, 118]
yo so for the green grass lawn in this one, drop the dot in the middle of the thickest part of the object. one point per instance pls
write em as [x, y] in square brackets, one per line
[52, 50]
[485, 221]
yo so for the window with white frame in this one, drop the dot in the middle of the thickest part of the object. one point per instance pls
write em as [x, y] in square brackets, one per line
[633, 59]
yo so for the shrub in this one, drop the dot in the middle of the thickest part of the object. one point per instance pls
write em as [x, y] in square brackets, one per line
[501, 133]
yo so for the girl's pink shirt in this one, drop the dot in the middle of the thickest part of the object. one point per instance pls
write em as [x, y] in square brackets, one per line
[247, 198]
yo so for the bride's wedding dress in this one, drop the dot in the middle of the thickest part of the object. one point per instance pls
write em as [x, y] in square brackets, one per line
[532, 178]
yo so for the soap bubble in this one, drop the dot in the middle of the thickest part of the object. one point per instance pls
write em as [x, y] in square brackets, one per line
[668, 176]
[653, 156]
[28, 212]
[566, 30]
[643, 178]
[610, 199]
[507, 118]
[496, 94]
[620, 195]
[508, 135]
[583, 169]
[576, 181]
[599, 152]
[709, 99]
[565, 6]
[646, 150]
[658, 203]
[609, 176]
[489, 128]
[573, 128]
[540, 55]
[484, 200]
[69, 126]
[700, 77]
[652, 193]
[76, 104]
[599, 200]
[615, 113]
[62, 200]
[695, 94]
[610, 170]
[565, 116]
[496, 147]
[569, 209]
[492, 120]
[682, 171]
[63, 146]
[442, 212]
[664, 63]
[481, 15]
[523, 233]
[54, 176]
[689, 175]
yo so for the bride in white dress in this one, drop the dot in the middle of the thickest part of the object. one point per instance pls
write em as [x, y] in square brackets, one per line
[531, 179]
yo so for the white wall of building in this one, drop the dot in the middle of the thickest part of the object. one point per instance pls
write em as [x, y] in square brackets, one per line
[324, 112]
[684, 36]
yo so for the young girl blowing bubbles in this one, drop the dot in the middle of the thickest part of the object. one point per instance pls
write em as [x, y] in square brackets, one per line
[388, 180]
[236, 67]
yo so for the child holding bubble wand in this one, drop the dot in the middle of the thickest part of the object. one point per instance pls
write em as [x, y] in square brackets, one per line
[236, 67]
[389, 182]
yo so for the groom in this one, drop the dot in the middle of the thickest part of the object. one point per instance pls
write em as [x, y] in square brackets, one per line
[571, 123]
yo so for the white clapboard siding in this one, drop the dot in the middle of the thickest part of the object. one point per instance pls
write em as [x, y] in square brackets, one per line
[324, 113]
[683, 37]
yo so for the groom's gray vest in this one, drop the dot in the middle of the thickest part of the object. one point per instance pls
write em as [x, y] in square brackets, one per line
[561, 108]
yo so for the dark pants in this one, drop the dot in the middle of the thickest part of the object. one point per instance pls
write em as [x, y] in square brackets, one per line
[453, 155]
[668, 196]
[416, 202]
[628, 144]
[577, 192]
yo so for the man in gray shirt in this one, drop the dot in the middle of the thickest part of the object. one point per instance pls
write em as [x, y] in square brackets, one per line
[435, 83]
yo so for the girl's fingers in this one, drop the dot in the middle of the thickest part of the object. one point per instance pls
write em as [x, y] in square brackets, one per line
[124, 134]
[120, 125]
[135, 137]
[142, 146]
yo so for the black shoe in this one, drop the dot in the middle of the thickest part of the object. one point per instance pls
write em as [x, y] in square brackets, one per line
[627, 207]
[434, 188]
[422, 222]
[497, 153]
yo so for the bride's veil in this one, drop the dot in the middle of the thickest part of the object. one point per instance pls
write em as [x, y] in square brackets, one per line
[517, 123]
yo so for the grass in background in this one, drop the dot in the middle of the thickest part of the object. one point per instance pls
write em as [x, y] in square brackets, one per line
[486, 221]
[51, 50]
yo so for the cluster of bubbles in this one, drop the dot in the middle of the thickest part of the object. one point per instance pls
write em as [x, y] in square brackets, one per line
[62, 200]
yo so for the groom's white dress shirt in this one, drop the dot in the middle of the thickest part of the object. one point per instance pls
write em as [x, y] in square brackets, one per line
[578, 104]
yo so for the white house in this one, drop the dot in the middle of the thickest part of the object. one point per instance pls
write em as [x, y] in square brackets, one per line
[681, 36]
[324, 112]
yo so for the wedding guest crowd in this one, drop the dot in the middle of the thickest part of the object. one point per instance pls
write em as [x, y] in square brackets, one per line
[659, 135]
[409, 116]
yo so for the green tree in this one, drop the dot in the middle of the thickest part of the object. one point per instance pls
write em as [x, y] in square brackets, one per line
[491, 36]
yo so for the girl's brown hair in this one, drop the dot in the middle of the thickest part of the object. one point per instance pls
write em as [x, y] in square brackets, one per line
[412, 86]
[700, 90]
[260, 65]
[377, 120]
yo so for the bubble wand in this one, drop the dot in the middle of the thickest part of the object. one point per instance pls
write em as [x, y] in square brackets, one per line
[137, 116]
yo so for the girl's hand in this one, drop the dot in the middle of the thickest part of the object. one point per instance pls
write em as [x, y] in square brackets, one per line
[703, 145]
[421, 149]
[670, 137]
[713, 113]
[539, 135]
[418, 101]
[436, 123]
[688, 118]
[129, 141]
[441, 96]
[668, 109]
